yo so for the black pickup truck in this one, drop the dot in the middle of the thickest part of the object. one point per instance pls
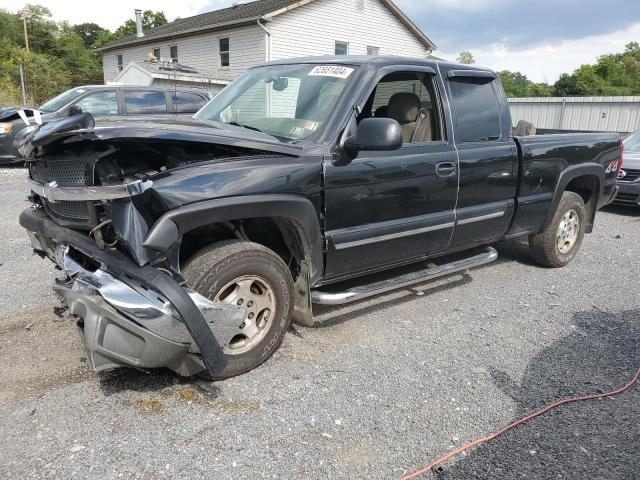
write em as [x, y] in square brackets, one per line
[193, 244]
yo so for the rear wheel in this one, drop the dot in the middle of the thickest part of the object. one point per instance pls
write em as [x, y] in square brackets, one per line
[250, 276]
[559, 243]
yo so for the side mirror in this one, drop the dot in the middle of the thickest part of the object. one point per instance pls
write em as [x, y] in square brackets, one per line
[74, 110]
[375, 134]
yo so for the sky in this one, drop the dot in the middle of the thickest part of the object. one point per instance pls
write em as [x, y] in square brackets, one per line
[541, 39]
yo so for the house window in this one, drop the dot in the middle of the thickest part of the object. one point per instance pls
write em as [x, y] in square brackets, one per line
[342, 48]
[360, 5]
[156, 53]
[224, 52]
[120, 67]
[373, 50]
[173, 53]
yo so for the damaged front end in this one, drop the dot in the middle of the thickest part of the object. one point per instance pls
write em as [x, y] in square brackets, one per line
[93, 202]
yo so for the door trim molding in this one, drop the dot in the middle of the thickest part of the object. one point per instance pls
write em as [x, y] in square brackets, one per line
[350, 237]
[481, 218]
[391, 236]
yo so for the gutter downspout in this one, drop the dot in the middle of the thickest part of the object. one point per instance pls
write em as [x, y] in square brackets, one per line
[268, 42]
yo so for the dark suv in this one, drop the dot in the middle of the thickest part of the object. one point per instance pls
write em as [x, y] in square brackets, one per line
[104, 102]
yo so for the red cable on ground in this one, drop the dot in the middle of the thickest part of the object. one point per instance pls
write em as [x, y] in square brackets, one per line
[537, 413]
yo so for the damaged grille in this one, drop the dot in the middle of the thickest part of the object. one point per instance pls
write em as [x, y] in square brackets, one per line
[70, 210]
[66, 173]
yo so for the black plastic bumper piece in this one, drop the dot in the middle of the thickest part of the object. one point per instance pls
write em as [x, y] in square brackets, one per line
[51, 233]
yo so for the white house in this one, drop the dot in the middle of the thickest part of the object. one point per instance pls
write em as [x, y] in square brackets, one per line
[220, 45]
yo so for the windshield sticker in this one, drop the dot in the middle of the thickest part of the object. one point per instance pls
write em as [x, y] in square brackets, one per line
[331, 71]
[297, 131]
[311, 125]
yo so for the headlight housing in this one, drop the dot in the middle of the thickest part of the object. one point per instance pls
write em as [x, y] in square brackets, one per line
[5, 128]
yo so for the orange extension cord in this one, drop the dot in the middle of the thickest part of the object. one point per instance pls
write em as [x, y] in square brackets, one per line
[429, 468]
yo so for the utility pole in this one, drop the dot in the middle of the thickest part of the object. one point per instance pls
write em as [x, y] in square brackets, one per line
[26, 35]
[24, 92]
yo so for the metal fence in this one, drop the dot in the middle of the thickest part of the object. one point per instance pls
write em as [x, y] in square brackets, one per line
[583, 114]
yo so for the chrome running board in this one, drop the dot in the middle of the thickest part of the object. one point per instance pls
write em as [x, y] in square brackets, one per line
[432, 271]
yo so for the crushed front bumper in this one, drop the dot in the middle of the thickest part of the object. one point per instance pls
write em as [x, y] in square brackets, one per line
[131, 315]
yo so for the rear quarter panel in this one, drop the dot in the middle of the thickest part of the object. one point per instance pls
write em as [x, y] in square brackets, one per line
[549, 162]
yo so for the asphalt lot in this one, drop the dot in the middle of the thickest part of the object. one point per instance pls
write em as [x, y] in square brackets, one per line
[376, 390]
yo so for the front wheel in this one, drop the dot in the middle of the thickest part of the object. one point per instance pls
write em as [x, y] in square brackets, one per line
[559, 243]
[254, 278]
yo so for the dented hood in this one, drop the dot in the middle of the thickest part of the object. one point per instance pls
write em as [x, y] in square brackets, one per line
[169, 130]
[8, 113]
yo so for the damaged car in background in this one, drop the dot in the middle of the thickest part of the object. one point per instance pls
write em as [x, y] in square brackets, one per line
[103, 102]
[192, 244]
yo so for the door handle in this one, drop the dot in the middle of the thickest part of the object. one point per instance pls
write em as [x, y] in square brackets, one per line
[446, 169]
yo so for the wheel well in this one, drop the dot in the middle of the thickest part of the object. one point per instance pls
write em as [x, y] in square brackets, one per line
[278, 234]
[588, 187]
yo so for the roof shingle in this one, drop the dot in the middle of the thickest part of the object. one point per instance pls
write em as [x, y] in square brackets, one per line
[230, 15]
[243, 12]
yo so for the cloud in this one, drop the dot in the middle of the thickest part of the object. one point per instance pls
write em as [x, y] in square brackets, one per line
[545, 62]
[460, 25]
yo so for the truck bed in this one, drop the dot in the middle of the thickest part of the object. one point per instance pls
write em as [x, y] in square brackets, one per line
[545, 162]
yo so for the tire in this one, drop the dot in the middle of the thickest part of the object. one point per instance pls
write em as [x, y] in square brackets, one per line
[246, 273]
[559, 243]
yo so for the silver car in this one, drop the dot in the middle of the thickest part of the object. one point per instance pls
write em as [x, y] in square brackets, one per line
[629, 176]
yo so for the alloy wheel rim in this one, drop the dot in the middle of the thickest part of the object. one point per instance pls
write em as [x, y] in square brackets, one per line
[255, 295]
[568, 231]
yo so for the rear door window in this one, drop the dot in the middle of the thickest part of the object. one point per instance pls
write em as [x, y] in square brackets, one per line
[476, 109]
[144, 102]
[187, 102]
[100, 103]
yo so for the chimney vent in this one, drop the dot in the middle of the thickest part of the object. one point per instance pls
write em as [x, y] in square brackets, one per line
[139, 32]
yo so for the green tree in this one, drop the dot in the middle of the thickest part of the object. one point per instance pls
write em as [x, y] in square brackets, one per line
[90, 33]
[10, 27]
[515, 84]
[539, 90]
[518, 85]
[84, 66]
[613, 74]
[45, 75]
[150, 19]
[466, 58]
[41, 29]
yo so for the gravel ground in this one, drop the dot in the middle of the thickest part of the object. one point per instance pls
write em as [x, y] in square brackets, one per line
[376, 390]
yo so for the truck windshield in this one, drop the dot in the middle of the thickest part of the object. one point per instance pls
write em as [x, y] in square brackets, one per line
[56, 103]
[290, 102]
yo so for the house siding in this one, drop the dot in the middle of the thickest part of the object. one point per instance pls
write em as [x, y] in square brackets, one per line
[314, 28]
[247, 48]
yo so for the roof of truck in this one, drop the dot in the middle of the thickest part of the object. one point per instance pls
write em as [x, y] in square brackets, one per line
[382, 60]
